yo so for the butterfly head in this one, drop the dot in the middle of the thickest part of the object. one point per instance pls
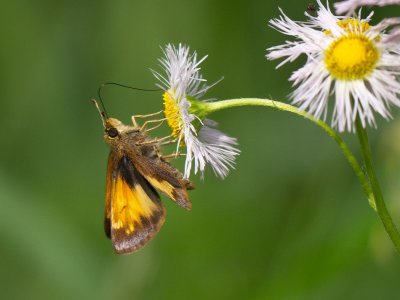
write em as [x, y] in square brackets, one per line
[114, 129]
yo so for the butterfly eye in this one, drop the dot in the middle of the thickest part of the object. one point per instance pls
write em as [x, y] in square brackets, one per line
[112, 132]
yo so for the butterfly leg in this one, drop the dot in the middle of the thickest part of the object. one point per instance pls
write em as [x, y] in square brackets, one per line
[145, 124]
[135, 124]
[168, 142]
[149, 115]
[173, 155]
[143, 116]
[158, 140]
[155, 127]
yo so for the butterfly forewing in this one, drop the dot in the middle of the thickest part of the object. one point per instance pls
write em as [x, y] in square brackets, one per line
[111, 165]
[134, 210]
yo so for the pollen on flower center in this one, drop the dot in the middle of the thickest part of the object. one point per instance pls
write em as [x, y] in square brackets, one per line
[352, 56]
[172, 113]
[353, 25]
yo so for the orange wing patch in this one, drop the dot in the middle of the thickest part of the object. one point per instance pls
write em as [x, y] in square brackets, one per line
[129, 206]
[136, 212]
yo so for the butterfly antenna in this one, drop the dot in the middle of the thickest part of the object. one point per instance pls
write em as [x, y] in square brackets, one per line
[102, 110]
[101, 101]
[128, 87]
[121, 85]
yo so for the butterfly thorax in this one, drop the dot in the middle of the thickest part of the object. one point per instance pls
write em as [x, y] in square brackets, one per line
[122, 137]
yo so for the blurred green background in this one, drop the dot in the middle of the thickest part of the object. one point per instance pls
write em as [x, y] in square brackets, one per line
[291, 222]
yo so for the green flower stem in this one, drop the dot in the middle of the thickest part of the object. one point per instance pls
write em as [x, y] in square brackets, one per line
[210, 107]
[380, 203]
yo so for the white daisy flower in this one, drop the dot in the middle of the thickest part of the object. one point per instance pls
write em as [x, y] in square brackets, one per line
[348, 6]
[183, 86]
[346, 57]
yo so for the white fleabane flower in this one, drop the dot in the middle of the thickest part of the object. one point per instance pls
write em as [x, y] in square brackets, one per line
[348, 6]
[346, 57]
[183, 85]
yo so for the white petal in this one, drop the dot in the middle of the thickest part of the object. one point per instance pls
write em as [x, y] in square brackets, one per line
[349, 6]
[363, 98]
[204, 145]
[211, 146]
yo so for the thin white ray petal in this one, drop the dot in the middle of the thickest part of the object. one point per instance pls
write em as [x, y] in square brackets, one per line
[349, 6]
[360, 95]
[205, 145]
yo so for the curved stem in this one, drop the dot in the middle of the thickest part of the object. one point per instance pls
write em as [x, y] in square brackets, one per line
[223, 104]
[380, 203]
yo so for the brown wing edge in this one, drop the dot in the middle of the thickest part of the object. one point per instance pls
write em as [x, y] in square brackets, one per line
[180, 196]
[125, 244]
[111, 166]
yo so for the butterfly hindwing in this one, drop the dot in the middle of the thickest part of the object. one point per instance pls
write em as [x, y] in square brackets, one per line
[166, 179]
[135, 210]
[176, 192]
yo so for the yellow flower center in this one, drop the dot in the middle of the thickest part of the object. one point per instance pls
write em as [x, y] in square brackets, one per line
[353, 25]
[352, 56]
[172, 113]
